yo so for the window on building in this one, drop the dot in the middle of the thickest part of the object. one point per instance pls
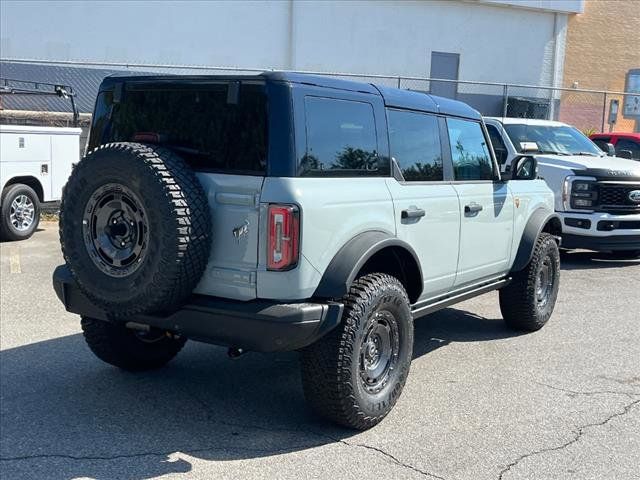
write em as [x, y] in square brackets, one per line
[415, 144]
[469, 152]
[341, 139]
[444, 65]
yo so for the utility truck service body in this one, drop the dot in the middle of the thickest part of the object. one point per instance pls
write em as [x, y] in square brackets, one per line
[35, 163]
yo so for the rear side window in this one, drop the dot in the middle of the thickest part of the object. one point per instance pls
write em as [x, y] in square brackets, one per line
[469, 152]
[633, 147]
[601, 143]
[341, 140]
[499, 147]
[415, 144]
[211, 128]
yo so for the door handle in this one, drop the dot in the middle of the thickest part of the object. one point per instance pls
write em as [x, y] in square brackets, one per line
[473, 207]
[413, 213]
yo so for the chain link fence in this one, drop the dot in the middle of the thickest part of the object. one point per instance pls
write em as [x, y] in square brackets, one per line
[588, 110]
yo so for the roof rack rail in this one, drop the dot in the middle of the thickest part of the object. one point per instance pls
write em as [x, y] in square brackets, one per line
[9, 86]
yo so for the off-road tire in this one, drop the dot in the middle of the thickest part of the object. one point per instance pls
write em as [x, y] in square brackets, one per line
[129, 349]
[331, 367]
[9, 194]
[179, 228]
[519, 303]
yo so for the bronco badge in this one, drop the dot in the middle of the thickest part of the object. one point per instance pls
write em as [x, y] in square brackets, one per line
[241, 231]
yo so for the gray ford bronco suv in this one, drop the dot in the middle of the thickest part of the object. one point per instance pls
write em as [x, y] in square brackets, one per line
[286, 211]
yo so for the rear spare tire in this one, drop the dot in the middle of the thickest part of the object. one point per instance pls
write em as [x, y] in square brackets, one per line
[135, 228]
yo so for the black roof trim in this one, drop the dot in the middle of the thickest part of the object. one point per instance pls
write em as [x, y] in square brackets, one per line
[393, 97]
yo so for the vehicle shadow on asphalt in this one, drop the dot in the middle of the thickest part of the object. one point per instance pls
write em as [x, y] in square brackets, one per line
[65, 414]
[582, 260]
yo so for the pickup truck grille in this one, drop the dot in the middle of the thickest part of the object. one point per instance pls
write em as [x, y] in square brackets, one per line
[614, 198]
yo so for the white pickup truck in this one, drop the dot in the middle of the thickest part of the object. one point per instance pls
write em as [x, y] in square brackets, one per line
[596, 196]
[35, 163]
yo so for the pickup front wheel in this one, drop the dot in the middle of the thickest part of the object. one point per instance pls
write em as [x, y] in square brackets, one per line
[528, 301]
[20, 212]
[354, 375]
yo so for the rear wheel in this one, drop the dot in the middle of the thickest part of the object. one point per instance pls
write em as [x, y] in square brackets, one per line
[130, 349]
[355, 374]
[20, 212]
[528, 301]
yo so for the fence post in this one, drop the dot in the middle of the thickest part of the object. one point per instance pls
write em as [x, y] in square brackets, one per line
[399, 82]
[505, 99]
[604, 110]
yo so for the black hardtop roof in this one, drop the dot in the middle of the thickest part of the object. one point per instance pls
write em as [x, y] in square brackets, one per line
[393, 97]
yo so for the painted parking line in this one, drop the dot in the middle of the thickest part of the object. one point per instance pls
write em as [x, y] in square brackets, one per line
[14, 260]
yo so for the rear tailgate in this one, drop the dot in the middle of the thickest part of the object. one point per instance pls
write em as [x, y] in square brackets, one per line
[235, 213]
[218, 125]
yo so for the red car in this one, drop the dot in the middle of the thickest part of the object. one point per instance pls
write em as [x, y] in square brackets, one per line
[622, 142]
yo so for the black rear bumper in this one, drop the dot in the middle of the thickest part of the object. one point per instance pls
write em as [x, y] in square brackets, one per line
[609, 243]
[257, 325]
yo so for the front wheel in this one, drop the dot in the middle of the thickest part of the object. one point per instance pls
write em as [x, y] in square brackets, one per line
[528, 301]
[20, 212]
[130, 349]
[354, 375]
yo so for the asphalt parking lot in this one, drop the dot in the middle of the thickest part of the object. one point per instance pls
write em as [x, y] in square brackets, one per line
[481, 402]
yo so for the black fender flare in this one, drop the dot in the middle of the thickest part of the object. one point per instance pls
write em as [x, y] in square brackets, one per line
[350, 259]
[535, 225]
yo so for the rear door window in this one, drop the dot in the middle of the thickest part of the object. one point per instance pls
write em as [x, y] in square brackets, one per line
[209, 126]
[341, 139]
[469, 151]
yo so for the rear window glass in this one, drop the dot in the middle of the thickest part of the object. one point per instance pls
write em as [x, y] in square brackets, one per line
[341, 140]
[210, 127]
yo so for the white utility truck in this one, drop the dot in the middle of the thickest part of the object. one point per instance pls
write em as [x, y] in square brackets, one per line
[35, 163]
[596, 196]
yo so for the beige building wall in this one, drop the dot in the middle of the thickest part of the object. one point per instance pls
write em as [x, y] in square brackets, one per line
[603, 44]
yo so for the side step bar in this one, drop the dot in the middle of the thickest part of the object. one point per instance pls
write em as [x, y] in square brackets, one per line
[425, 308]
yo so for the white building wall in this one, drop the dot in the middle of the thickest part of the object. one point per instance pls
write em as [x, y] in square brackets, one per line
[495, 42]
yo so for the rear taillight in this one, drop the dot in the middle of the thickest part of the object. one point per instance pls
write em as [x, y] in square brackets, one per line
[284, 237]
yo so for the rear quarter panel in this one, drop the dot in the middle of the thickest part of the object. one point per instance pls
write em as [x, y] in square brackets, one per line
[332, 212]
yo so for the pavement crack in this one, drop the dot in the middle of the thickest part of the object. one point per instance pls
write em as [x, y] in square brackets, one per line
[588, 393]
[325, 436]
[391, 457]
[577, 435]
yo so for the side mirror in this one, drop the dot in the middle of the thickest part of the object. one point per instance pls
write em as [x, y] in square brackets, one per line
[624, 154]
[523, 167]
[611, 150]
